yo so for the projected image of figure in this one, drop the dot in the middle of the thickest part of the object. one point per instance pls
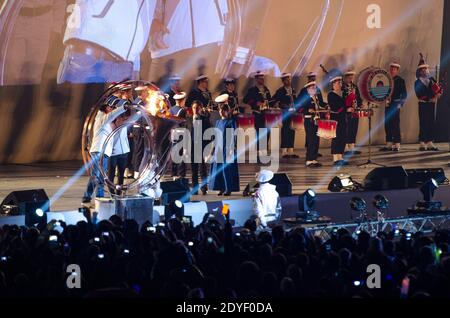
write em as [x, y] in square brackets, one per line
[223, 34]
[104, 39]
[27, 28]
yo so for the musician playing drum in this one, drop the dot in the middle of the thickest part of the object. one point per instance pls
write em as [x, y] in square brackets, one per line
[392, 111]
[339, 114]
[200, 93]
[285, 97]
[427, 99]
[258, 98]
[233, 99]
[309, 104]
[352, 97]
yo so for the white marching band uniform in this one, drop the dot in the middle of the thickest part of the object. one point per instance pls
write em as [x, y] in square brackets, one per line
[266, 200]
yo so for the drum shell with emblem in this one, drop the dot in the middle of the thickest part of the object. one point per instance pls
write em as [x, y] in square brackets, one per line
[375, 85]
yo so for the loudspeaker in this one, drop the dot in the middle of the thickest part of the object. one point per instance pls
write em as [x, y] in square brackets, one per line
[283, 184]
[417, 177]
[175, 190]
[28, 200]
[280, 180]
[250, 188]
[386, 178]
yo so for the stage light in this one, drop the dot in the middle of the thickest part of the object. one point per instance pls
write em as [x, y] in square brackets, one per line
[427, 205]
[174, 208]
[380, 202]
[9, 210]
[342, 182]
[36, 217]
[358, 204]
[428, 189]
[356, 283]
[306, 203]
[39, 212]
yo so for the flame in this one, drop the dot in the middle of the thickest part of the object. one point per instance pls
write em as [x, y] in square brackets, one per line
[156, 103]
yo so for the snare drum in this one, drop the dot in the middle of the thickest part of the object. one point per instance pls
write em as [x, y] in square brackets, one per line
[245, 121]
[296, 121]
[273, 118]
[326, 128]
[362, 113]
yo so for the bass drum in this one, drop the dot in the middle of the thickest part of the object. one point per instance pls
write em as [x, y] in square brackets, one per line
[375, 84]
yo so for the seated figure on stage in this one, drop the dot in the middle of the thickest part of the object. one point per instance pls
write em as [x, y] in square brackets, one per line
[266, 200]
[427, 97]
[309, 104]
[337, 106]
[102, 128]
[285, 97]
[392, 110]
[224, 175]
[353, 100]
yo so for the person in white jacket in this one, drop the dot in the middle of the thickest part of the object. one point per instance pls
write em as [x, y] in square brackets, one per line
[266, 200]
[119, 156]
[102, 128]
[104, 40]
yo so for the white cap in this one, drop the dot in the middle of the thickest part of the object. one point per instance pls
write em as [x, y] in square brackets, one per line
[229, 81]
[264, 176]
[286, 75]
[174, 78]
[141, 88]
[201, 77]
[309, 84]
[336, 78]
[394, 64]
[423, 66]
[180, 95]
[222, 98]
[258, 73]
[349, 72]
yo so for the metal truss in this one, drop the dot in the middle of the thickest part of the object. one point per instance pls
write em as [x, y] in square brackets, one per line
[412, 224]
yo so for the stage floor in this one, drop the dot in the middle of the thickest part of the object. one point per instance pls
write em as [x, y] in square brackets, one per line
[54, 176]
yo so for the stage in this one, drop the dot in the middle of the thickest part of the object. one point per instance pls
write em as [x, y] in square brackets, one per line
[55, 176]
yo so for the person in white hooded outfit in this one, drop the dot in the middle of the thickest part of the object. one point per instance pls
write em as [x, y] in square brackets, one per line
[266, 200]
[102, 128]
